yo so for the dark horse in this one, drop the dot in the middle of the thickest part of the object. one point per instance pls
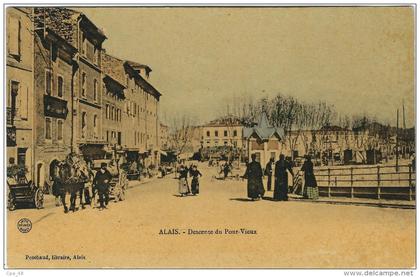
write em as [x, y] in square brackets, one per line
[71, 179]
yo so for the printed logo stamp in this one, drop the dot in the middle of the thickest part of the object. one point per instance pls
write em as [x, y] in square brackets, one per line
[24, 225]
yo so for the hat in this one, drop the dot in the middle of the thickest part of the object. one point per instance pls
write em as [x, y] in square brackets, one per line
[103, 164]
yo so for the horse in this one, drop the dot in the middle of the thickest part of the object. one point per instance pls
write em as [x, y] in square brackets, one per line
[71, 178]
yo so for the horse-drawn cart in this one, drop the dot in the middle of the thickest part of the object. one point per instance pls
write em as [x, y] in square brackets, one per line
[118, 186]
[133, 171]
[23, 192]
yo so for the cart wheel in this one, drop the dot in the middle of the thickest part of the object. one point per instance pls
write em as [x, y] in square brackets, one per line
[11, 205]
[39, 199]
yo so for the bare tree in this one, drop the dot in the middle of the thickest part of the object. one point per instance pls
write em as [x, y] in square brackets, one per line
[181, 136]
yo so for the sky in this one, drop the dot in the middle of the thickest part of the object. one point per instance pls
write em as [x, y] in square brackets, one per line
[361, 59]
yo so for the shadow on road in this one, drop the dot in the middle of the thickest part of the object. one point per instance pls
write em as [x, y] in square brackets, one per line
[270, 199]
[242, 199]
[365, 204]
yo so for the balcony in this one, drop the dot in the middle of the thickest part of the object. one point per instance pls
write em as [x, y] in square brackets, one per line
[9, 115]
[55, 107]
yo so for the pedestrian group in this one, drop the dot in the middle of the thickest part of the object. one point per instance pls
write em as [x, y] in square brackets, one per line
[254, 174]
[184, 188]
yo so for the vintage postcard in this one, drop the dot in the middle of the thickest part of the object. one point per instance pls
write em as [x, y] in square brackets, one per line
[210, 137]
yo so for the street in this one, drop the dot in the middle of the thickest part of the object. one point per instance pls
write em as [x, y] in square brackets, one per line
[142, 231]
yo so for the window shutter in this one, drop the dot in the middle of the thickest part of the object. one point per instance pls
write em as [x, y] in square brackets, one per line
[14, 36]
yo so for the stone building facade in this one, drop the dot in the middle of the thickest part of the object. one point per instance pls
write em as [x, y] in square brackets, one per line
[53, 79]
[19, 88]
[87, 38]
[143, 111]
[62, 99]
[113, 102]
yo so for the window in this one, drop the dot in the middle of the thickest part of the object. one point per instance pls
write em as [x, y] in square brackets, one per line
[225, 133]
[14, 91]
[107, 111]
[273, 155]
[112, 113]
[216, 133]
[95, 126]
[84, 44]
[48, 128]
[14, 40]
[208, 133]
[107, 136]
[95, 90]
[84, 124]
[59, 129]
[84, 84]
[21, 156]
[95, 55]
[60, 87]
[235, 133]
[48, 82]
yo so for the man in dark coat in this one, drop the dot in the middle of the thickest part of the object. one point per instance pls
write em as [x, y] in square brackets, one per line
[281, 186]
[269, 173]
[254, 174]
[101, 182]
[226, 170]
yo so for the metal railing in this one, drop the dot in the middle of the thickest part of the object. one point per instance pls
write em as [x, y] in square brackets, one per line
[380, 182]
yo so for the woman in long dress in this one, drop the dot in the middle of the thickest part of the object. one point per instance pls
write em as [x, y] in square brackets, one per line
[195, 185]
[281, 186]
[183, 184]
[254, 174]
[311, 187]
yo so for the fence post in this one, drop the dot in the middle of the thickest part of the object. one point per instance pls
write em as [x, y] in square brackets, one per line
[351, 183]
[379, 182]
[410, 192]
[329, 180]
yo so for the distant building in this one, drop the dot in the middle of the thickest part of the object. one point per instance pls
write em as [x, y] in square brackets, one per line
[164, 136]
[225, 131]
[264, 140]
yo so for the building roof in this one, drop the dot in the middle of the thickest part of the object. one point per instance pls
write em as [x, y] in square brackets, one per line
[141, 81]
[114, 68]
[64, 44]
[136, 66]
[263, 129]
[334, 128]
[63, 21]
[226, 121]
